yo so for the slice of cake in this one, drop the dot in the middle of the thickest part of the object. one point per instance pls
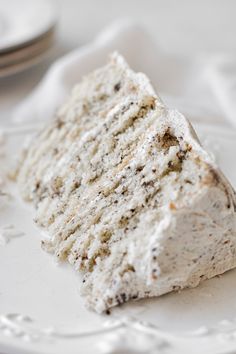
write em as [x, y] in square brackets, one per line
[126, 192]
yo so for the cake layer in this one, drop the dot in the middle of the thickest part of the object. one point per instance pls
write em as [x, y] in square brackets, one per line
[126, 192]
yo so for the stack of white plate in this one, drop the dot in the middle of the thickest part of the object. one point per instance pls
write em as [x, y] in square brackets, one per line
[26, 33]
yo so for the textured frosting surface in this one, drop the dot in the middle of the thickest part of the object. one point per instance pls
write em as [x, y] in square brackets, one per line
[126, 192]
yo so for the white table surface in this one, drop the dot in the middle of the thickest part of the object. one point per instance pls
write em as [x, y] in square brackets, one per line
[183, 26]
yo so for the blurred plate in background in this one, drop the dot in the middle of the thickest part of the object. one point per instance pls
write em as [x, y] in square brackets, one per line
[22, 21]
[27, 30]
[24, 57]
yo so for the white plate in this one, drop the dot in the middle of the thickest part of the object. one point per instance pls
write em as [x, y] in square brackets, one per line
[25, 57]
[41, 310]
[22, 21]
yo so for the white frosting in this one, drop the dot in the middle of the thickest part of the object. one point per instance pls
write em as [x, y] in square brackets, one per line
[127, 193]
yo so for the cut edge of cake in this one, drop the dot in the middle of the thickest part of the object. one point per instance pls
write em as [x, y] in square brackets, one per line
[127, 193]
